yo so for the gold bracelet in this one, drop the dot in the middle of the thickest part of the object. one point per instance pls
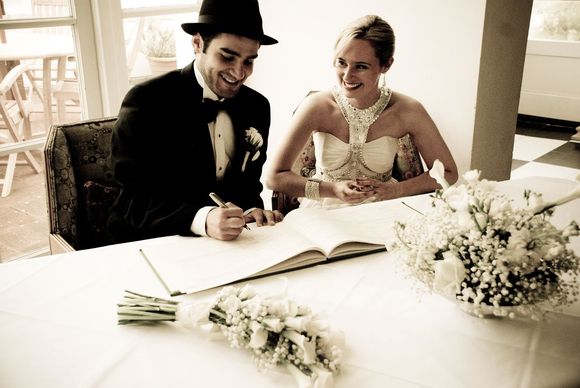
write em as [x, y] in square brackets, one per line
[312, 189]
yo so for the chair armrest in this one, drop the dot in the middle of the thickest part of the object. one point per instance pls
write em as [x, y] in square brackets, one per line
[283, 202]
[58, 244]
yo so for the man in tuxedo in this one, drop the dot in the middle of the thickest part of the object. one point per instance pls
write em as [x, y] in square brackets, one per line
[193, 131]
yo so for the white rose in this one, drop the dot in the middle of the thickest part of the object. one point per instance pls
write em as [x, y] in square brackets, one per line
[231, 303]
[463, 220]
[499, 206]
[449, 273]
[193, 315]
[471, 176]
[457, 198]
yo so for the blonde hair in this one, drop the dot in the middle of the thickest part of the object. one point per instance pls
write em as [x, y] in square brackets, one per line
[374, 30]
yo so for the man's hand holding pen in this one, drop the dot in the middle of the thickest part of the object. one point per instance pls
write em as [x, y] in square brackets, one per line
[227, 220]
[225, 223]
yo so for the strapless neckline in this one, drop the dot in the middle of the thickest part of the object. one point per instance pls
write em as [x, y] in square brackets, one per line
[384, 137]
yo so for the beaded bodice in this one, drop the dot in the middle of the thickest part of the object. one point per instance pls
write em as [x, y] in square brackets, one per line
[359, 121]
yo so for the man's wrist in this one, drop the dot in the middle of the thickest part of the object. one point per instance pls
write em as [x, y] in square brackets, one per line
[198, 225]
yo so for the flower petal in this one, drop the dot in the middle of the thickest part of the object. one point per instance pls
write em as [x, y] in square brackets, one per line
[437, 172]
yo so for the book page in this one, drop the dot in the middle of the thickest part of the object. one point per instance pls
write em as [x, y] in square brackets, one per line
[191, 264]
[350, 229]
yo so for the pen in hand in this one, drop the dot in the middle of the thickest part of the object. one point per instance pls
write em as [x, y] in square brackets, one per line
[220, 202]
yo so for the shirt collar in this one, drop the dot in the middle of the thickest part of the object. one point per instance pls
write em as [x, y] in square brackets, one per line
[207, 92]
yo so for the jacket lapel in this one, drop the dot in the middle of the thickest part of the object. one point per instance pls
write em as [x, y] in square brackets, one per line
[198, 131]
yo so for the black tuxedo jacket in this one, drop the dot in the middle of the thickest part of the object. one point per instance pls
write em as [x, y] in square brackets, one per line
[162, 157]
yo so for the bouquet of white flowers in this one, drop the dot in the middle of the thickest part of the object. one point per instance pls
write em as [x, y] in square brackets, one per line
[277, 330]
[475, 247]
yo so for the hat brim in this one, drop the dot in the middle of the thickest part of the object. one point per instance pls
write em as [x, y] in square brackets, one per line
[194, 28]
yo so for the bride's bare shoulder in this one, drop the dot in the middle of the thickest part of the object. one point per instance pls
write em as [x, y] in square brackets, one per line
[319, 102]
[405, 102]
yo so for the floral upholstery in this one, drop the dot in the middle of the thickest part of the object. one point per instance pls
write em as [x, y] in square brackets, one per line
[408, 161]
[407, 165]
[79, 181]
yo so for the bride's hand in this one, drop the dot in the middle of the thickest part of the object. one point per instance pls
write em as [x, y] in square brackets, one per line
[350, 192]
[379, 190]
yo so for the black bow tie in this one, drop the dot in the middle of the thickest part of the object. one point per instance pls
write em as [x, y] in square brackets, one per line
[212, 107]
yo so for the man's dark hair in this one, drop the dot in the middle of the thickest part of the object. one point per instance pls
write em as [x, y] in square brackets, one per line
[207, 37]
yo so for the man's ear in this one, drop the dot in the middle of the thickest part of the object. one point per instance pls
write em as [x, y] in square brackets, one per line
[197, 43]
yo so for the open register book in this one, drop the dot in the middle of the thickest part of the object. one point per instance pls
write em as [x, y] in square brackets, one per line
[305, 237]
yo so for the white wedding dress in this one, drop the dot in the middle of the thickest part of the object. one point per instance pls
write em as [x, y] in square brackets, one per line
[338, 161]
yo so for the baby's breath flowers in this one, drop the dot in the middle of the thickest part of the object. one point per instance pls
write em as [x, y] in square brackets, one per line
[474, 246]
[277, 330]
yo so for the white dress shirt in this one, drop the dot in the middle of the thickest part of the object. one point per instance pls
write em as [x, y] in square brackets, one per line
[221, 132]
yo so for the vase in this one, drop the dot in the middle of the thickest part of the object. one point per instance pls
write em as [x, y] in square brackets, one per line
[485, 311]
[161, 65]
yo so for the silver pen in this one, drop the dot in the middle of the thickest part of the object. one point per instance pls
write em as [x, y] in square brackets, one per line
[220, 202]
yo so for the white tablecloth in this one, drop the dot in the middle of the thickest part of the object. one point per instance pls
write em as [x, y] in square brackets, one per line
[58, 328]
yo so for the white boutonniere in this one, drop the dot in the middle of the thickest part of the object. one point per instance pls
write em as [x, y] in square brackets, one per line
[255, 141]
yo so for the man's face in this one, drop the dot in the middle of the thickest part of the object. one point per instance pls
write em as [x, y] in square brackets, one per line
[226, 63]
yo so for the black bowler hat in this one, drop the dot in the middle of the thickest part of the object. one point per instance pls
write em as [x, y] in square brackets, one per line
[239, 17]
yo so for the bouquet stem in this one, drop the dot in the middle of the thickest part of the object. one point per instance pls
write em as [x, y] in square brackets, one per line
[138, 308]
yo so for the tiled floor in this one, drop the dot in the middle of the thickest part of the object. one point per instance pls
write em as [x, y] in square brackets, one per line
[24, 220]
[545, 153]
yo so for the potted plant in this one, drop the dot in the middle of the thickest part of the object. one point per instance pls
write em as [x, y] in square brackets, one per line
[158, 44]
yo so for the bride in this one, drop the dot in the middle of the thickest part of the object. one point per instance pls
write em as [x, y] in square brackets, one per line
[355, 128]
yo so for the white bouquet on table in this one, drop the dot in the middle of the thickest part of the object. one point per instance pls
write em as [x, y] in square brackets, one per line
[475, 247]
[277, 330]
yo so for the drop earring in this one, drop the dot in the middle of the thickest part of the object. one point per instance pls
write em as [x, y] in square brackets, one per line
[383, 81]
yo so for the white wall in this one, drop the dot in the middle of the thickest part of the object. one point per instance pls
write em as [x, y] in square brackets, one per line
[436, 58]
[551, 81]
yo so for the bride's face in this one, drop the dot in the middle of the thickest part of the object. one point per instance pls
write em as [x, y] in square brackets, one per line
[358, 70]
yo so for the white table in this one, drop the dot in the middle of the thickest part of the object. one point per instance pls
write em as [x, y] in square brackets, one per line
[48, 48]
[58, 328]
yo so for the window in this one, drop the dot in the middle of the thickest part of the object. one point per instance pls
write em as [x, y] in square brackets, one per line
[555, 20]
[154, 43]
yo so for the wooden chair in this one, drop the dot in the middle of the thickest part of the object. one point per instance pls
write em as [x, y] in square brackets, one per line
[407, 165]
[15, 128]
[65, 77]
[66, 89]
[79, 183]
